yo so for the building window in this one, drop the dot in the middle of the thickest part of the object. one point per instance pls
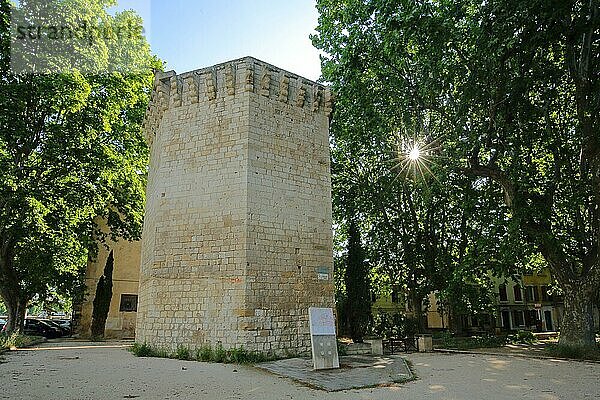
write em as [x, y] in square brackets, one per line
[518, 293]
[518, 318]
[536, 294]
[545, 294]
[503, 295]
[528, 293]
[532, 318]
[128, 303]
[505, 315]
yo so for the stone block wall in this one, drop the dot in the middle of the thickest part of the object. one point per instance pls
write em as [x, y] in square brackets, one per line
[237, 235]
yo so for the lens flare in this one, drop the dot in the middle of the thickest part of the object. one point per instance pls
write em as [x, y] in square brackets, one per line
[415, 153]
[414, 157]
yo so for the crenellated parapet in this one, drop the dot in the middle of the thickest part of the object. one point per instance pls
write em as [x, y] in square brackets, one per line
[284, 88]
[233, 78]
[159, 103]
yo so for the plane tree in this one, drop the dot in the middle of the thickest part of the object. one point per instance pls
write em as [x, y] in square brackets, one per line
[511, 92]
[71, 146]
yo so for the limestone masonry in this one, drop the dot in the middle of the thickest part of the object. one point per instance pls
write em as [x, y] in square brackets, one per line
[237, 235]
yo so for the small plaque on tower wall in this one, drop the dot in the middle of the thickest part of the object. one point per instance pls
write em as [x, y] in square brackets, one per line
[323, 338]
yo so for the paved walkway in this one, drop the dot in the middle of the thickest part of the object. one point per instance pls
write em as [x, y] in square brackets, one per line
[79, 371]
[534, 350]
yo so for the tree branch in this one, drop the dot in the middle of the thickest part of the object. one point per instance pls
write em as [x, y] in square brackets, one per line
[496, 175]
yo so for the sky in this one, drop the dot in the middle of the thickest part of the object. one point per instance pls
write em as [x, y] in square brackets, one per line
[191, 34]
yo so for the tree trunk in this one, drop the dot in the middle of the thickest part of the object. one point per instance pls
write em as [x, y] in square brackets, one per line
[417, 303]
[454, 321]
[577, 325]
[15, 309]
[10, 291]
[11, 312]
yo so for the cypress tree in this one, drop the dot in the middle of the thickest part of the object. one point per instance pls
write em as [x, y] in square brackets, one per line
[358, 301]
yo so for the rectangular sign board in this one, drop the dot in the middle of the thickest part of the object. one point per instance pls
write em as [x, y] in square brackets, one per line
[323, 273]
[323, 338]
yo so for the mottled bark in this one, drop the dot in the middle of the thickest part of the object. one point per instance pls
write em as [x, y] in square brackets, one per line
[10, 290]
[16, 315]
[577, 325]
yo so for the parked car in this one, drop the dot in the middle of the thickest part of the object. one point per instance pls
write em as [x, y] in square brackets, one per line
[65, 331]
[65, 324]
[2, 324]
[36, 327]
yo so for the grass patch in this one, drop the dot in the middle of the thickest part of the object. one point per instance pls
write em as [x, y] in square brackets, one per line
[573, 352]
[183, 353]
[236, 355]
[15, 340]
[141, 350]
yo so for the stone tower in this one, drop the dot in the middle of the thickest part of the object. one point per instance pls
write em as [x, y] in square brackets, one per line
[237, 241]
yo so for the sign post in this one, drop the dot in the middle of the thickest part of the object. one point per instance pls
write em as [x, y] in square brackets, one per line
[323, 338]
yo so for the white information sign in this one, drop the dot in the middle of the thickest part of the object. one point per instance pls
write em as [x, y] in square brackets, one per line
[323, 338]
[322, 321]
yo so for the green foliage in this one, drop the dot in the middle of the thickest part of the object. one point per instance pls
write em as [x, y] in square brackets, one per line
[357, 304]
[242, 356]
[450, 341]
[466, 294]
[395, 325]
[574, 352]
[218, 354]
[204, 353]
[72, 154]
[444, 340]
[15, 340]
[163, 353]
[523, 337]
[141, 350]
[423, 222]
[182, 353]
[342, 348]
[503, 98]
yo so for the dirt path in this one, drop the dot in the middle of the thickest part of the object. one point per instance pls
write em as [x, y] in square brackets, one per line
[77, 371]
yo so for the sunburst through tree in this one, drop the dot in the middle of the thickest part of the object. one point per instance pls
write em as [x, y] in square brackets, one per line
[414, 157]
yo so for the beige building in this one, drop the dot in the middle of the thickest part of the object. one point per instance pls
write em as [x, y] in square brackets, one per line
[528, 304]
[437, 318]
[396, 302]
[121, 319]
[237, 240]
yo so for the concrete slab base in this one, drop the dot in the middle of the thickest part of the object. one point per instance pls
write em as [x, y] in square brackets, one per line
[355, 372]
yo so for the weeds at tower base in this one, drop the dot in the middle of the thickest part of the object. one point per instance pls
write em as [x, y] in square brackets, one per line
[236, 355]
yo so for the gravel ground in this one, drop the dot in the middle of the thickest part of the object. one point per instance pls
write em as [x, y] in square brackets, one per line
[77, 371]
